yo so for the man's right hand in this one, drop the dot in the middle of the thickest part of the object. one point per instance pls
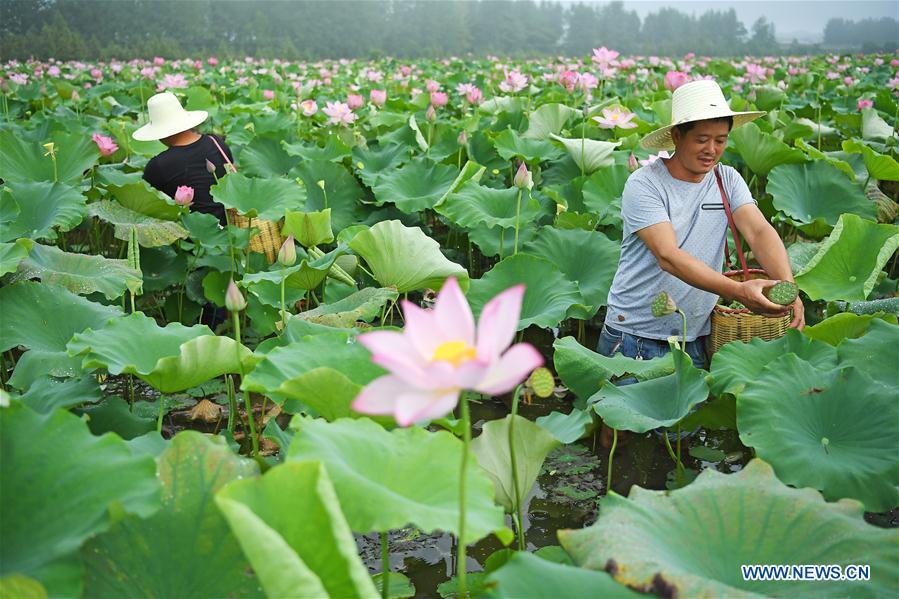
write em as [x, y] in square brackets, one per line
[751, 296]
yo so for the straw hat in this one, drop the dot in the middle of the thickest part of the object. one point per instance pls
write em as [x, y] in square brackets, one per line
[167, 118]
[695, 101]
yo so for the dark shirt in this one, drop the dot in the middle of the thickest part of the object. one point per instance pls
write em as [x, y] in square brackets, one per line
[186, 165]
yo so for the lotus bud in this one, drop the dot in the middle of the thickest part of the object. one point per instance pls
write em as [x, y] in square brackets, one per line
[210, 167]
[287, 255]
[234, 299]
[431, 114]
[321, 184]
[632, 164]
[184, 195]
[522, 179]
[663, 304]
[462, 139]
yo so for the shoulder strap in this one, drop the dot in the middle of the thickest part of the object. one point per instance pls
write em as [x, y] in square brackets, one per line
[733, 227]
[225, 156]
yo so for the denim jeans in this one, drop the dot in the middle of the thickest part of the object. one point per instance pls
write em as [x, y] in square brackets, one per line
[612, 341]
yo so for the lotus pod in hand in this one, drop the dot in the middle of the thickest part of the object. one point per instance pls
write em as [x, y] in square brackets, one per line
[782, 293]
[542, 382]
[663, 305]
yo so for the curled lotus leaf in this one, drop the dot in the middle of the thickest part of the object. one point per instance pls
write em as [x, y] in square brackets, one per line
[589, 154]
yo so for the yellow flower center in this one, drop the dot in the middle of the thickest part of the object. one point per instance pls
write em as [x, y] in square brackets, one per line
[455, 352]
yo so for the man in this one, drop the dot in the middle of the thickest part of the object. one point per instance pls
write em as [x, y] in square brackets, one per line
[674, 233]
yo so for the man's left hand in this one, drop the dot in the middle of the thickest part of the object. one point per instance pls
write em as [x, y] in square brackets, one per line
[798, 315]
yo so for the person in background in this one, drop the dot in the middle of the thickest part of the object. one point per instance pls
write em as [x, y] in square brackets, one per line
[192, 160]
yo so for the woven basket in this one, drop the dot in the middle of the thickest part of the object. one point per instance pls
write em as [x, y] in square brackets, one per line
[729, 325]
[267, 240]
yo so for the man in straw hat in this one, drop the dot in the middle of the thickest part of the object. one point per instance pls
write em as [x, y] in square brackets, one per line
[674, 233]
[191, 161]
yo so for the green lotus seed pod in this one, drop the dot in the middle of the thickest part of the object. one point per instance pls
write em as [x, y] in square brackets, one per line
[783, 293]
[542, 382]
[663, 304]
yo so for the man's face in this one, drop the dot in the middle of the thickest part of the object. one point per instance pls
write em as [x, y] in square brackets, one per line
[700, 149]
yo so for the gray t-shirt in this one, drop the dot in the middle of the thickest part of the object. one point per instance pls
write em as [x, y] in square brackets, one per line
[651, 196]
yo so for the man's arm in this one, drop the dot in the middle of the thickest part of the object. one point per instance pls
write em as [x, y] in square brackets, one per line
[769, 250]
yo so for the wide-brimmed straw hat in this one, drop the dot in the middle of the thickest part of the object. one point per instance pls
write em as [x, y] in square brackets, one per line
[695, 101]
[167, 118]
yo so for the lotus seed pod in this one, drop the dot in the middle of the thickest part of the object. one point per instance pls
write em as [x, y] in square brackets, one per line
[663, 304]
[782, 293]
[234, 299]
[542, 382]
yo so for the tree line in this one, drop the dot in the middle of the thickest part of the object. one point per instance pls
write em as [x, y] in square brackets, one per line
[311, 29]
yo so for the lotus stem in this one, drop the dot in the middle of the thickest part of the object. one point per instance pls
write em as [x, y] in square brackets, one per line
[502, 237]
[517, 505]
[230, 240]
[683, 346]
[611, 456]
[235, 317]
[385, 566]
[675, 457]
[678, 444]
[283, 309]
[466, 441]
[517, 219]
[232, 403]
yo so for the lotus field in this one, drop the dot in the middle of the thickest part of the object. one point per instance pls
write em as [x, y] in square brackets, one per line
[396, 393]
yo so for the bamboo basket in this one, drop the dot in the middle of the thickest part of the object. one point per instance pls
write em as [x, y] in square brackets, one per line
[267, 240]
[730, 325]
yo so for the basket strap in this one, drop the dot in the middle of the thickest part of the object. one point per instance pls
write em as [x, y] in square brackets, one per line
[225, 156]
[733, 228]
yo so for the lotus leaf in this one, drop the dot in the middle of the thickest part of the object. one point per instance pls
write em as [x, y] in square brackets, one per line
[405, 258]
[548, 294]
[53, 465]
[660, 402]
[547, 120]
[762, 151]
[500, 104]
[11, 254]
[532, 444]
[849, 260]
[24, 160]
[584, 371]
[335, 150]
[43, 206]
[378, 161]
[694, 540]
[845, 325]
[308, 228]
[874, 127]
[816, 154]
[79, 273]
[308, 274]
[874, 353]
[290, 527]
[259, 198]
[342, 193]
[509, 144]
[474, 205]
[526, 575]
[567, 428]
[21, 587]
[415, 186]
[48, 393]
[589, 154]
[817, 193]
[830, 430]
[265, 158]
[362, 305]
[132, 192]
[602, 193]
[880, 166]
[409, 476]
[151, 232]
[185, 549]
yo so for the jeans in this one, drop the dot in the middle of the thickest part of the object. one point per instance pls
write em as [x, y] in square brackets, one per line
[612, 341]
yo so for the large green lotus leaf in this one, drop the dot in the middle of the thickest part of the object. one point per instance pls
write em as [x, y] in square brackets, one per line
[48, 393]
[501, 104]
[11, 254]
[151, 232]
[308, 274]
[882, 167]
[817, 191]
[409, 476]
[548, 294]
[405, 258]
[584, 371]
[415, 186]
[290, 527]
[567, 428]
[43, 207]
[589, 154]
[378, 161]
[43, 318]
[24, 160]
[830, 430]
[737, 364]
[816, 154]
[474, 205]
[602, 193]
[259, 198]
[171, 358]
[848, 262]
[874, 127]
[334, 150]
[762, 151]
[874, 353]
[526, 575]
[186, 548]
[509, 144]
[342, 193]
[308, 228]
[80, 273]
[845, 325]
[132, 192]
[265, 158]
[547, 120]
[655, 403]
[362, 305]
[53, 465]
[588, 258]
[532, 445]
[692, 541]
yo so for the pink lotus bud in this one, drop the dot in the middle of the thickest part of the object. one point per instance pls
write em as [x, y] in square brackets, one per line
[234, 299]
[522, 178]
[75, 96]
[377, 97]
[674, 79]
[96, 73]
[432, 86]
[431, 114]
[287, 255]
[210, 167]
[864, 103]
[212, 61]
[268, 94]
[354, 101]
[105, 144]
[198, 64]
[439, 99]
[158, 60]
[462, 139]
[632, 163]
[309, 107]
[184, 195]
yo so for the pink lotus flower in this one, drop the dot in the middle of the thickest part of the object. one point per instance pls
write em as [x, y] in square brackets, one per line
[439, 99]
[568, 80]
[96, 74]
[309, 107]
[268, 94]
[212, 61]
[355, 101]
[377, 97]
[514, 82]
[170, 81]
[105, 144]
[756, 73]
[864, 103]
[440, 353]
[471, 92]
[158, 60]
[653, 157]
[603, 56]
[432, 86]
[615, 117]
[53, 71]
[339, 113]
[19, 78]
[184, 195]
[674, 79]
